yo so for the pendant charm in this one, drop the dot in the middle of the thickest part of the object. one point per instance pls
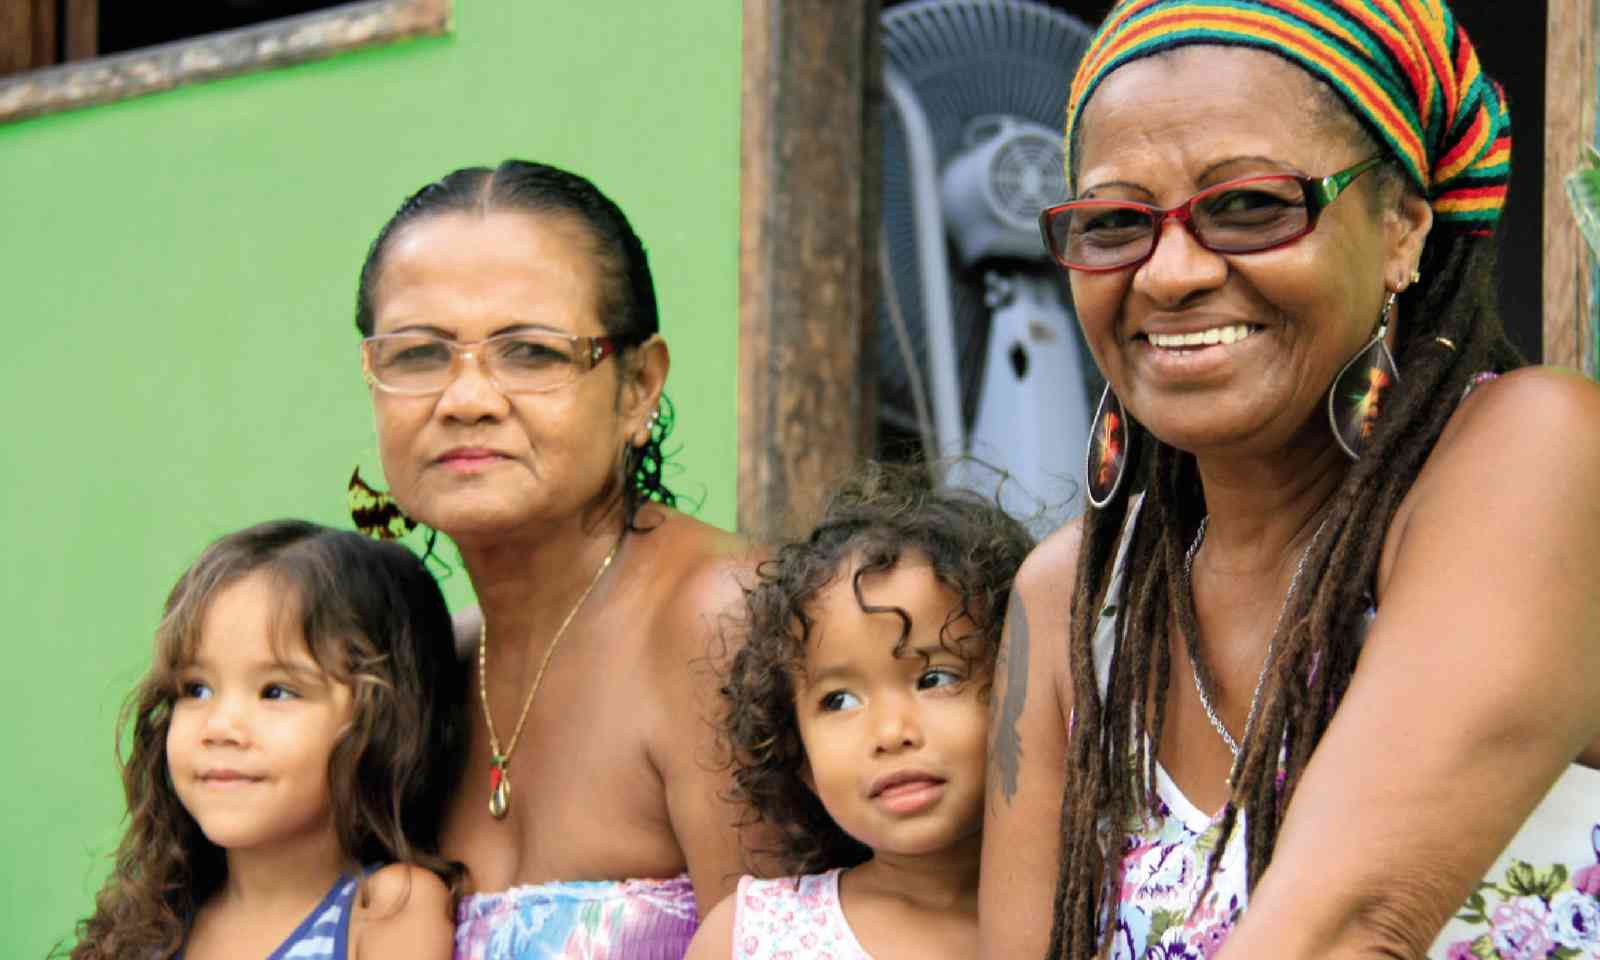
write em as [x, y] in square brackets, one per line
[1356, 400]
[499, 789]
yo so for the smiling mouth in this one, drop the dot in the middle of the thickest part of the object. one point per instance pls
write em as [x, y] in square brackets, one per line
[910, 796]
[228, 778]
[1232, 333]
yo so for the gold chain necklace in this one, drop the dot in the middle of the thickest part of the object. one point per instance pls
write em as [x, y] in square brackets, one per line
[499, 772]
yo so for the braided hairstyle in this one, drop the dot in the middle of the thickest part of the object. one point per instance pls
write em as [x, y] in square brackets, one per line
[627, 293]
[1110, 768]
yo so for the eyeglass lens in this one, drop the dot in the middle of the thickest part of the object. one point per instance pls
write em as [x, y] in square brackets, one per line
[1232, 218]
[418, 363]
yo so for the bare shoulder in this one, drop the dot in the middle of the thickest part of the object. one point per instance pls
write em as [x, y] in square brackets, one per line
[1045, 581]
[404, 911]
[698, 577]
[1536, 418]
[714, 939]
[1525, 443]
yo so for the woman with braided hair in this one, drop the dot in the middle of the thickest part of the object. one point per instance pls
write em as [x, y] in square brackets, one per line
[1327, 681]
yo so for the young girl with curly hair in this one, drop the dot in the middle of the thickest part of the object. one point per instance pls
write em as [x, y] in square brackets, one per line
[291, 749]
[857, 715]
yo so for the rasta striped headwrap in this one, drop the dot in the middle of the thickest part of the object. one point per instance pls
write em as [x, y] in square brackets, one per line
[1404, 67]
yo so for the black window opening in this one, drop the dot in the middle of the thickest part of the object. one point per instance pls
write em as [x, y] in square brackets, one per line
[130, 24]
[35, 34]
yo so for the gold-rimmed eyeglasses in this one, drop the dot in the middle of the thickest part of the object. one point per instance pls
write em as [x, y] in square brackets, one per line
[418, 364]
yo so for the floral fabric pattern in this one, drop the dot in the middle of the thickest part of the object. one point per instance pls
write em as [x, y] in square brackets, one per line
[793, 918]
[1531, 914]
[1520, 912]
[587, 920]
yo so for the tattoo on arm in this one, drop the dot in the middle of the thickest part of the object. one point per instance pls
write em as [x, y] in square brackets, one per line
[1005, 748]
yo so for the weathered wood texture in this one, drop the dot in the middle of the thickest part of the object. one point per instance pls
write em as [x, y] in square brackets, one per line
[807, 271]
[80, 29]
[274, 44]
[1569, 125]
[27, 34]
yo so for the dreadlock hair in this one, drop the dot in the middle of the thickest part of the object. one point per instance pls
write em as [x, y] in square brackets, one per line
[627, 295]
[1109, 768]
[876, 518]
[371, 617]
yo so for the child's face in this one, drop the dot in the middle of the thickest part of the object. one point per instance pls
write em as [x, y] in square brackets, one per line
[895, 745]
[254, 723]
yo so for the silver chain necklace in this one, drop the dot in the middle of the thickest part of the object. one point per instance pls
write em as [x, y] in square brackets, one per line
[1261, 678]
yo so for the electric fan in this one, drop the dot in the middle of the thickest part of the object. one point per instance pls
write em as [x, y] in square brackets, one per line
[979, 355]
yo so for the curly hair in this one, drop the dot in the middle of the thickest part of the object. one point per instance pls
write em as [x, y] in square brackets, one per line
[1319, 638]
[627, 292]
[882, 514]
[372, 618]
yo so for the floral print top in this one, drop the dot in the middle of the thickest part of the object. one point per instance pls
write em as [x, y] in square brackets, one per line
[793, 918]
[592, 920]
[1541, 899]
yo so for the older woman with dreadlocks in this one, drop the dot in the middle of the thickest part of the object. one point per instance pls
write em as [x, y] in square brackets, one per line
[1329, 650]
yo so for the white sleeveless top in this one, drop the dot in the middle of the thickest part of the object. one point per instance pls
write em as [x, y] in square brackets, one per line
[792, 918]
[1540, 899]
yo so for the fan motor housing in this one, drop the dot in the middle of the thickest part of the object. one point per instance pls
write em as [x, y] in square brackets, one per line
[993, 190]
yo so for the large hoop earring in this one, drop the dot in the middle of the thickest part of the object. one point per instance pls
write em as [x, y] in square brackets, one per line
[1107, 460]
[1358, 394]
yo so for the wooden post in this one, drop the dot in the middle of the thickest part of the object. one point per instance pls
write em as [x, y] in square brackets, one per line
[27, 35]
[1569, 125]
[809, 172]
[81, 29]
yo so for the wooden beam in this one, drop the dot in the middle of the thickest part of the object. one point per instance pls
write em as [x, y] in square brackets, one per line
[1569, 126]
[809, 171]
[275, 43]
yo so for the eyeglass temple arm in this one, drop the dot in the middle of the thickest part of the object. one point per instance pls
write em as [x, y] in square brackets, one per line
[1325, 189]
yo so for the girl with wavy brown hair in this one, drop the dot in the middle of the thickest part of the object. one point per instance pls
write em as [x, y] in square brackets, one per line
[291, 749]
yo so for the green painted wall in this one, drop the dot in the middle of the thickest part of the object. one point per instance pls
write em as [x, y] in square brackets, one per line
[179, 357]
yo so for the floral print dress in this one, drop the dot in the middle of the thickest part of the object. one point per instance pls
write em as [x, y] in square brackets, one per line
[1541, 899]
[793, 918]
[591, 920]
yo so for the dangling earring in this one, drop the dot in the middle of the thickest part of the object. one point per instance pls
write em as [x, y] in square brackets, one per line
[1356, 399]
[649, 430]
[1107, 458]
[375, 513]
